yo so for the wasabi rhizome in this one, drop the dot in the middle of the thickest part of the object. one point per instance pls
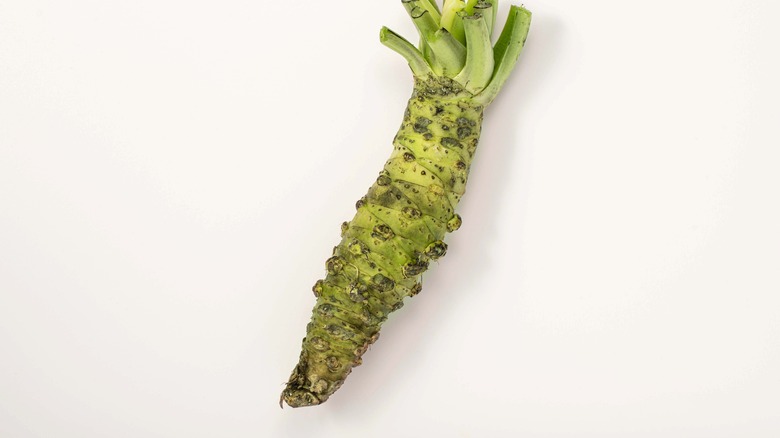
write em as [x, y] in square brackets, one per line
[401, 222]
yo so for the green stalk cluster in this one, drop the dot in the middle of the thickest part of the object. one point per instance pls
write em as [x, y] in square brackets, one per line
[400, 224]
[456, 43]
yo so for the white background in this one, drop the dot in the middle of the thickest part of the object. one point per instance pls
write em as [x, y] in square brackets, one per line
[173, 175]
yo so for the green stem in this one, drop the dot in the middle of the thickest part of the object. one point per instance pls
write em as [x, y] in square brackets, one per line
[432, 8]
[451, 21]
[470, 4]
[479, 59]
[488, 11]
[447, 51]
[450, 53]
[431, 58]
[423, 20]
[506, 51]
[404, 48]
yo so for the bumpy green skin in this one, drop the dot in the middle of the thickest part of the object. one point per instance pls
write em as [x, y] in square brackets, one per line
[397, 230]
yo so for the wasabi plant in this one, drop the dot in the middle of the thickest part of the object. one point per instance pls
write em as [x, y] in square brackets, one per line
[401, 222]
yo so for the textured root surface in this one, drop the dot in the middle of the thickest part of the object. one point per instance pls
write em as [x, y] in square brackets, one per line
[397, 231]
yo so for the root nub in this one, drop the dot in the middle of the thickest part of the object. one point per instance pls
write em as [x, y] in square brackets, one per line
[298, 397]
